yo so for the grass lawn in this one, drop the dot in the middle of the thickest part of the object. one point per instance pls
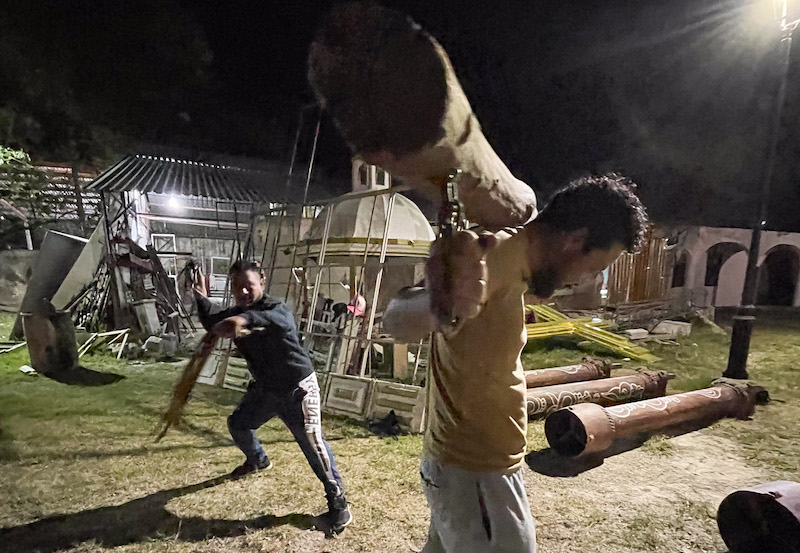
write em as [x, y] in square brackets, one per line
[80, 471]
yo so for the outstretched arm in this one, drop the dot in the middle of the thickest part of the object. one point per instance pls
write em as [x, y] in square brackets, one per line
[208, 313]
[238, 321]
[278, 315]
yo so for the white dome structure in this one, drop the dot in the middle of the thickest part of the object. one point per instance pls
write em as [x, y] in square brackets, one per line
[357, 218]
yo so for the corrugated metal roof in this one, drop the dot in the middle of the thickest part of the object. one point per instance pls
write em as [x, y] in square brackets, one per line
[166, 175]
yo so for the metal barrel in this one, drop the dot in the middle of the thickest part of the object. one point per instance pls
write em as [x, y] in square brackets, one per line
[608, 391]
[762, 519]
[589, 428]
[51, 339]
[590, 369]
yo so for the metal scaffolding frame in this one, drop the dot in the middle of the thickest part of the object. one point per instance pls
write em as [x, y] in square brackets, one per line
[355, 335]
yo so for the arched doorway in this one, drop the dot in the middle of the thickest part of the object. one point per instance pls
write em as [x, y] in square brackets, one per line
[716, 256]
[727, 285]
[778, 275]
[679, 270]
[731, 280]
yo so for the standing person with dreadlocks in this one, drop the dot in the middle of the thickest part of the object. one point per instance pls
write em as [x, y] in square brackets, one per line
[284, 382]
[473, 302]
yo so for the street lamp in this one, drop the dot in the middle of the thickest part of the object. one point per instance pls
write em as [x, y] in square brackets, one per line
[745, 316]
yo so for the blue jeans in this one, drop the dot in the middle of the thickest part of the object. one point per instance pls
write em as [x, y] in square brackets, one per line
[300, 410]
[476, 512]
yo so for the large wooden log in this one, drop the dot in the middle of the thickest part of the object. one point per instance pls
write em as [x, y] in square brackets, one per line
[393, 94]
[590, 369]
[591, 429]
[544, 400]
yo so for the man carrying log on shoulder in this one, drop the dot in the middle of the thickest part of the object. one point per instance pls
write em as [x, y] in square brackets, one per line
[473, 302]
[284, 382]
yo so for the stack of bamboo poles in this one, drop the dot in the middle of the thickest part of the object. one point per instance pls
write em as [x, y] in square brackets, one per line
[553, 323]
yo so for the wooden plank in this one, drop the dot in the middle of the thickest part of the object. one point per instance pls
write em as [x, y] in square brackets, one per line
[9, 348]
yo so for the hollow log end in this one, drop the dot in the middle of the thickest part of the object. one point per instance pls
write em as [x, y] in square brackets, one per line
[579, 430]
[382, 78]
[756, 520]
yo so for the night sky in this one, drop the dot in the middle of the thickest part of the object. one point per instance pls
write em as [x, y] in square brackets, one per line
[675, 93]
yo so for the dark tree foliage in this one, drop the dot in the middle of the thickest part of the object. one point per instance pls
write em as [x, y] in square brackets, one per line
[84, 80]
[23, 203]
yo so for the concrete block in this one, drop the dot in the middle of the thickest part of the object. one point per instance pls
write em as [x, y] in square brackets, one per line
[636, 333]
[152, 344]
[673, 328]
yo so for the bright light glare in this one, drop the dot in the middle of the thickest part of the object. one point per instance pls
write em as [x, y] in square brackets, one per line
[780, 10]
[766, 14]
[174, 202]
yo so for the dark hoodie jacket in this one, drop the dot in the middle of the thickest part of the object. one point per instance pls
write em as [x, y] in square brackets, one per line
[274, 354]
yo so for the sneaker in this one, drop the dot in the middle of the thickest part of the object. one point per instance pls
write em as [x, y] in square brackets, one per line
[338, 515]
[247, 467]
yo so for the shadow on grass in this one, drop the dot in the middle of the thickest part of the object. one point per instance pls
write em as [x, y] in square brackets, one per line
[549, 462]
[81, 376]
[7, 452]
[137, 520]
[129, 452]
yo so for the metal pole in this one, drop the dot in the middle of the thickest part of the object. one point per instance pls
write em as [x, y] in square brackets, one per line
[358, 284]
[28, 235]
[297, 228]
[76, 186]
[744, 320]
[273, 254]
[378, 279]
[320, 263]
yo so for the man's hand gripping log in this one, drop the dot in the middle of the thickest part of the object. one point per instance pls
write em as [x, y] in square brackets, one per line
[455, 272]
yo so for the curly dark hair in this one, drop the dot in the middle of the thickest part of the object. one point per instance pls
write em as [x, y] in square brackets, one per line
[242, 266]
[605, 205]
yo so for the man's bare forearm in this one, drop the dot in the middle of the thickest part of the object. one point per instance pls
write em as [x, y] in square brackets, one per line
[408, 316]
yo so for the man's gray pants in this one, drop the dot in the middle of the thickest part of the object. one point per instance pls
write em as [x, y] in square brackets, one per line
[480, 512]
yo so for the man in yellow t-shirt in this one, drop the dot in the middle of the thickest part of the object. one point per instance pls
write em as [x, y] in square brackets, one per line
[473, 302]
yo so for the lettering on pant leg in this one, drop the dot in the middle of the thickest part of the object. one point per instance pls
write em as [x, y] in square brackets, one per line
[316, 441]
[312, 416]
[311, 403]
[312, 421]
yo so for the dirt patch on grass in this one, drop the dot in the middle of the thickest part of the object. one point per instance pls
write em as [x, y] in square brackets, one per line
[643, 500]
[79, 471]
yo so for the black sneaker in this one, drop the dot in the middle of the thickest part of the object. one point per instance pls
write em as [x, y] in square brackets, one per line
[247, 467]
[338, 515]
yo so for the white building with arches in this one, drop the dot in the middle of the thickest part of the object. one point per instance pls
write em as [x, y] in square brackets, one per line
[709, 267]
